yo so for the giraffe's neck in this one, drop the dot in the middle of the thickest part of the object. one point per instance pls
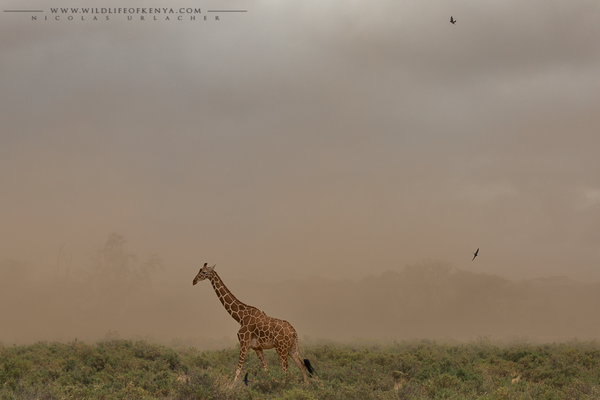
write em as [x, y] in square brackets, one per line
[233, 306]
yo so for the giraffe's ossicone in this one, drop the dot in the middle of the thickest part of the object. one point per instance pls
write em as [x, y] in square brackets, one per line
[257, 330]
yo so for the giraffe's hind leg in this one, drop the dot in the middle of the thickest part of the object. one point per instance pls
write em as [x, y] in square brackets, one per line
[295, 354]
[283, 358]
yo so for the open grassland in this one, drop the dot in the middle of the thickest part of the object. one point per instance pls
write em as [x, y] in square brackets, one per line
[124, 369]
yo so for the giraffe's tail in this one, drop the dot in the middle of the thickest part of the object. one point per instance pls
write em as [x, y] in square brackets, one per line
[305, 361]
[309, 367]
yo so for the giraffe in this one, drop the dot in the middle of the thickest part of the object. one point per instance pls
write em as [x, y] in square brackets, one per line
[257, 330]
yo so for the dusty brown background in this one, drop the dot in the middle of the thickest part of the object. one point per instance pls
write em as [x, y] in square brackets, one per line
[307, 148]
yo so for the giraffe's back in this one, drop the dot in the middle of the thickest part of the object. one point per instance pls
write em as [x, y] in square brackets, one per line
[283, 332]
[268, 332]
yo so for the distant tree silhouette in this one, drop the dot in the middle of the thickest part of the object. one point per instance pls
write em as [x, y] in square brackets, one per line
[116, 274]
[426, 285]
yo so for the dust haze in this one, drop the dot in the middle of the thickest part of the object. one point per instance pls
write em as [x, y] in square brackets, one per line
[121, 295]
[333, 162]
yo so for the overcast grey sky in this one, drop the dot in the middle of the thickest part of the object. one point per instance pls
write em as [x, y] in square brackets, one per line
[306, 138]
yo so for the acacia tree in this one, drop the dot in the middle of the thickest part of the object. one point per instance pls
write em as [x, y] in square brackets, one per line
[116, 275]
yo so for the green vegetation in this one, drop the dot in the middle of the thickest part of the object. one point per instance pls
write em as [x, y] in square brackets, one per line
[123, 369]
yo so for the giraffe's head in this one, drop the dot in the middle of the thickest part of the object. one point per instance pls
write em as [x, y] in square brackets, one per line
[204, 273]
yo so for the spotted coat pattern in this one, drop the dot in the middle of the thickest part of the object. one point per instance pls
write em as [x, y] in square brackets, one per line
[257, 330]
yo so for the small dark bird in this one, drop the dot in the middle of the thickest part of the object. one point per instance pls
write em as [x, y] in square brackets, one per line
[475, 254]
[452, 20]
[246, 379]
[309, 367]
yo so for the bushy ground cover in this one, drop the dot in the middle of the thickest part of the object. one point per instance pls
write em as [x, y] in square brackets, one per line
[124, 369]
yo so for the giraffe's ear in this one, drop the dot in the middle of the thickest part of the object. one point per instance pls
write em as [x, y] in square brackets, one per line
[213, 267]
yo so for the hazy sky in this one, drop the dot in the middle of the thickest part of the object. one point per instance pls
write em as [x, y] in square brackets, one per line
[306, 138]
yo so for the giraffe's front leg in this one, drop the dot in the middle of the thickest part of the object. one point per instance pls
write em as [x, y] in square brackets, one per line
[243, 352]
[244, 346]
[261, 357]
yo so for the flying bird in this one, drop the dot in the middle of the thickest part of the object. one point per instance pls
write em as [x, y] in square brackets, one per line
[452, 20]
[475, 254]
[246, 379]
